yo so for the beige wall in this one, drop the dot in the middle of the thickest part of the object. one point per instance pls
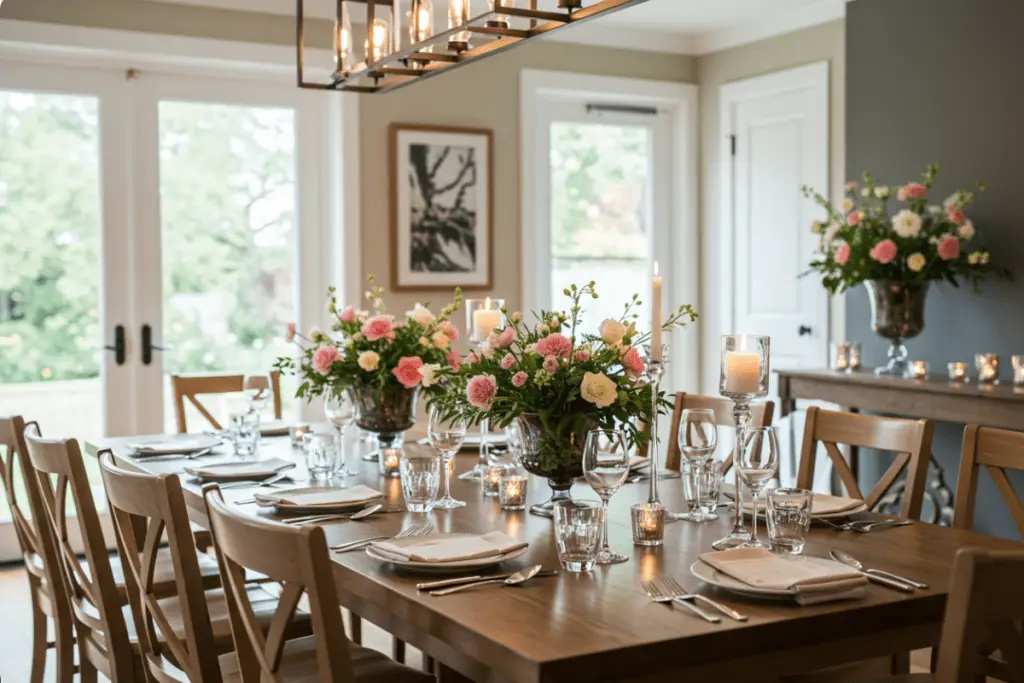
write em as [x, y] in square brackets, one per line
[824, 42]
[482, 95]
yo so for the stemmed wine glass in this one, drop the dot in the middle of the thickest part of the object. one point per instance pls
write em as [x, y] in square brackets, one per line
[606, 466]
[257, 390]
[757, 461]
[698, 439]
[446, 436]
[341, 410]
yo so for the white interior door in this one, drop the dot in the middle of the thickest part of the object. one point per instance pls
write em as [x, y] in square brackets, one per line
[778, 129]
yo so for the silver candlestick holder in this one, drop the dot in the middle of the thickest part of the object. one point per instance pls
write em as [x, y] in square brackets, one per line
[654, 373]
[483, 316]
[479, 470]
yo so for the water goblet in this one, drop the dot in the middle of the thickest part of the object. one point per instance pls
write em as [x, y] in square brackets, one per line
[446, 433]
[702, 488]
[757, 461]
[606, 467]
[341, 410]
[258, 391]
[698, 439]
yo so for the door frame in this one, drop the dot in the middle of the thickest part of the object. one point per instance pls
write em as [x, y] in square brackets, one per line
[679, 238]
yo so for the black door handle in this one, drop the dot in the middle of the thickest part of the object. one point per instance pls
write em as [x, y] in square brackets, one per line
[118, 347]
[804, 330]
[148, 347]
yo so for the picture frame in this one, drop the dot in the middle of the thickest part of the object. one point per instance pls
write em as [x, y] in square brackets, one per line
[442, 207]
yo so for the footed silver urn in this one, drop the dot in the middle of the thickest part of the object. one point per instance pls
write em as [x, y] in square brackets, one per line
[897, 312]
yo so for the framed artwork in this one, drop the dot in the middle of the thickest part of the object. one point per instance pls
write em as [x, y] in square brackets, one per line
[441, 207]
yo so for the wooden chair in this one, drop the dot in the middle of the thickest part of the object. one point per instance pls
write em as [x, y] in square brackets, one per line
[298, 558]
[909, 439]
[189, 387]
[761, 415]
[42, 562]
[996, 450]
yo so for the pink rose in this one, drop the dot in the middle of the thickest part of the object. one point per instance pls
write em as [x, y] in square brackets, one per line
[949, 248]
[855, 217]
[842, 254]
[472, 358]
[379, 327]
[290, 332]
[581, 356]
[503, 339]
[508, 361]
[481, 391]
[519, 379]
[633, 363]
[956, 215]
[555, 345]
[449, 330]
[550, 365]
[915, 191]
[324, 358]
[408, 371]
[454, 360]
[884, 251]
[348, 315]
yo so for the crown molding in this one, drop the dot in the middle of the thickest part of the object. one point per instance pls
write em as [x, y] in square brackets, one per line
[770, 26]
[603, 35]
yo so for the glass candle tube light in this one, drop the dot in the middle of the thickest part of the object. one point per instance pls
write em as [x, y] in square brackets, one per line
[958, 372]
[1018, 371]
[501, 20]
[342, 39]
[492, 479]
[987, 365]
[390, 462]
[648, 523]
[378, 40]
[512, 492]
[918, 370]
[421, 21]
[458, 15]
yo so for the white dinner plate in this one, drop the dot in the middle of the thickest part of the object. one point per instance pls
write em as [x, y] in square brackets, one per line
[447, 567]
[708, 574]
[175, 444]
[814, 518]
[239, 471]
[271, 500]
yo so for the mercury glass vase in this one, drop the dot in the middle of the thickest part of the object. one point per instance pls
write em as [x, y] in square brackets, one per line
[553, 454]
[897, 313]
[388, 412]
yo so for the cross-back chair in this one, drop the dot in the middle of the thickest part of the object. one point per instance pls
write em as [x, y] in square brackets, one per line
[299, 559]
[995, 451]
[42, 563]
[190, 387]
[909, 439]
[761, 415]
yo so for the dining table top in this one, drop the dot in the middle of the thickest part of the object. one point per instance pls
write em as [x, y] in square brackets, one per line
[601, 626]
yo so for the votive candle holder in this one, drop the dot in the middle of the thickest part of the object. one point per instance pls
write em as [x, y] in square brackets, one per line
[987, 365]
[390, 462]
[512, 492]
[491, 480]
[918, 370]
[846, 356]
[297, 433]
[958, 372]
[648, 524]
[1018, 371]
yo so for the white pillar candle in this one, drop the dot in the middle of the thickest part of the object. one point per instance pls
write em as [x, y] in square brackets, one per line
[742, 372]
[485, 319]
[656, 315]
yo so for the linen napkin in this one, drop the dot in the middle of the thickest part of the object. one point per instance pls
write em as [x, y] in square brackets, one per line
[256, 469]
[454, 548]
[761, 568]
[638, 463]
[320, 496]
[171, 446]
[275, 428]
[821, 504]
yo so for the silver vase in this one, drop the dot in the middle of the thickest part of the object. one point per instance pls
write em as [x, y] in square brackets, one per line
[388, 413]
[897, 312]
[555, 455]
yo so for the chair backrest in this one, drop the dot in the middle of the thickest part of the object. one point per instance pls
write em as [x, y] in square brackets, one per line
[985, 612]
[102, 634]
[910, 439]
[147, 508]
[761, 415]
[13, 464]
[297, 558]
[997, 450]
[189, 387]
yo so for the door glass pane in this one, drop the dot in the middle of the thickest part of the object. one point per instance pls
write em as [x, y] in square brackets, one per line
[227, 193]
[600, 216]
[50, 226]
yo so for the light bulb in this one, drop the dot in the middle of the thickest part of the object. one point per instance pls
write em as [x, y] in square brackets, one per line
[342, 42]
[501, 20]
[458, 15]
[378, 40]
[421, 21]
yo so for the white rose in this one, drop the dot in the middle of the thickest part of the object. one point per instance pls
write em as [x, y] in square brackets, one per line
[421, 314]
[866, 192]
[612, 332]
[966, 231]
[369, 360]
[847, 205]
[906, 223]
[598, 389]
[427, 373]
[882, 192]
[916, 262]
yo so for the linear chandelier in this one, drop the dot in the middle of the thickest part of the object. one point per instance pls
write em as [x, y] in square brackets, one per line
[387, 61]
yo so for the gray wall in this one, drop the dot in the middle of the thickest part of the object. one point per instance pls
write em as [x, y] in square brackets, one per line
[940, 80]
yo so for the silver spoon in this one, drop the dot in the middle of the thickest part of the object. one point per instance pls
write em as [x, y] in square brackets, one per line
[516, 579]
[880, 577]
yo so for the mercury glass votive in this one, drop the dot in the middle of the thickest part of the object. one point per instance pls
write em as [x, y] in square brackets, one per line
[297, 433]
[648, 524]
[854, 356]
[918, 369]
[492, 479]
[841, 356]
[1018, 371]
[987, 365]
[390, 462]
[958, 372]
[512, 492]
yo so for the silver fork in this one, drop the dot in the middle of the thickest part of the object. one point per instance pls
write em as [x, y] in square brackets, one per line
[409, 532]
[680, 592]
[657, 595]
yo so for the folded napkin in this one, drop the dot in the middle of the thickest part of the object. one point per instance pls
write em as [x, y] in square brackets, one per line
[637, 463]
[821, 504]
[761, 568]
[255, 468]
[275, 428]
[320, 496]
[172, 446]
[449, 548]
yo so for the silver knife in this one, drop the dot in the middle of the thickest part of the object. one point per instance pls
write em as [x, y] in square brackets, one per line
[431, 585]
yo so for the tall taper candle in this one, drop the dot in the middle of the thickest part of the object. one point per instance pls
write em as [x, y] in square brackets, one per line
[656, 315]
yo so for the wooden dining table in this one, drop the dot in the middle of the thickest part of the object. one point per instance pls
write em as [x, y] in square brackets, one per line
[601, 626]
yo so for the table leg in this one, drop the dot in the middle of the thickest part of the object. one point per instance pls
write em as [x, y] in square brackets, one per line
[355, 627]
[446, 675]
[398, 650]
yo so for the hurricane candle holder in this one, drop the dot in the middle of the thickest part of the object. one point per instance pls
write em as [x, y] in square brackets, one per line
[390, 462]
[987, 365]
[958, 372]
[918, 370]
[492, 479]
[483, 316]
[648, 524]
[297, 433]
[743, 377]
[512, 492]
[1018, 371]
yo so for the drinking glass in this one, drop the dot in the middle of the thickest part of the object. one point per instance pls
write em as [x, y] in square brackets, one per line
[321, 455]
[244, 429]
[578, 533]
[257, 390]
[606, 467]
[341, 410]
[446, 436]
[789, 519]
[757, 461]
[702, 488]
[421, 477]
[698, 439]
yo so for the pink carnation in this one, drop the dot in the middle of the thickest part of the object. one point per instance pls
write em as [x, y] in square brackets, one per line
[519, 379]
[408, 371]
[481, 391]
[842, 254]
[949, 248]
[855, 217]
[508, 361]
[503, 339]
[633, 363]
[884, 251]
[324, 358]
[915, 191]
[449, 330]
[472, 358]
[550, 365]
[290, 332]
[581, 356]
[555, 345]
[956, 215]
[379, 327]
[348, 315]
[454, 360]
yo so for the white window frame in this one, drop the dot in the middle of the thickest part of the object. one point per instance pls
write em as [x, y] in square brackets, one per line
[676, 237]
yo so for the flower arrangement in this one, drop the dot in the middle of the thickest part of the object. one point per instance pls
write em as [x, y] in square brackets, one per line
[375, 349]
[860, 240]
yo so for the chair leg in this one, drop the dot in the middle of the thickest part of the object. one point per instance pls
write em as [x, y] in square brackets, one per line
[355, 626]
[398, 650]
[65, 647]
[428, 664]
[87, 672]
[38, 643]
